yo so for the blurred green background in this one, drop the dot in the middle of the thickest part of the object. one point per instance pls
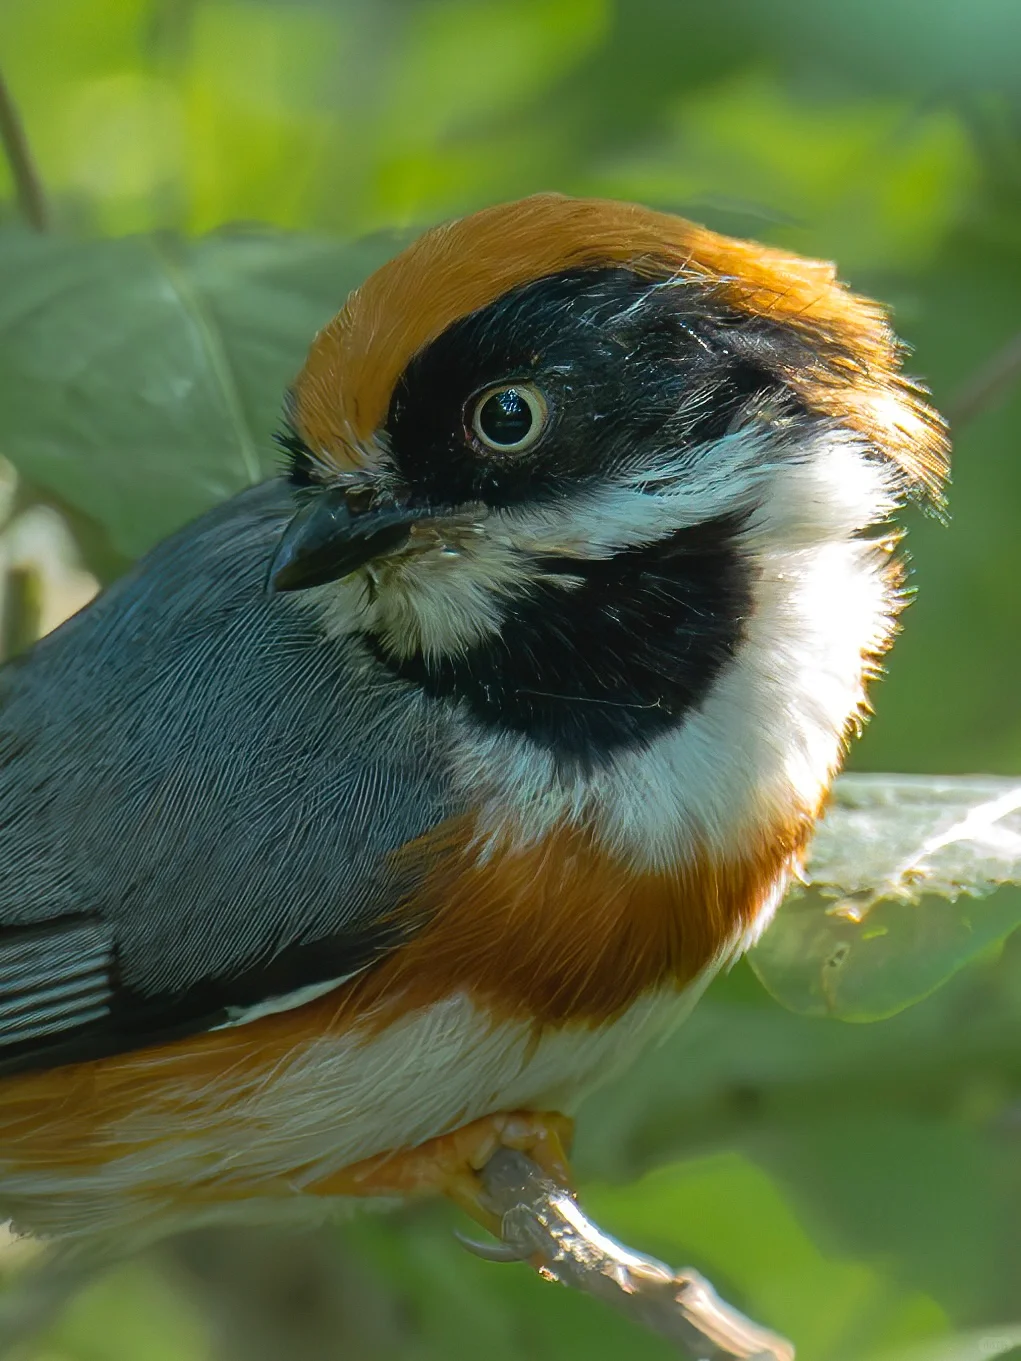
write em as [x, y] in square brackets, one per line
[857, 1187]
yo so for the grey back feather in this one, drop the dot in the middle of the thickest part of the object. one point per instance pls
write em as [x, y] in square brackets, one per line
[201, 785]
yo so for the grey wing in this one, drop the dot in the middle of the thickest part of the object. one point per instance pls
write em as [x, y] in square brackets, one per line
[200, 797]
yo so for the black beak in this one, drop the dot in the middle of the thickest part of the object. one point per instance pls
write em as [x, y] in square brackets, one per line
[334, 535]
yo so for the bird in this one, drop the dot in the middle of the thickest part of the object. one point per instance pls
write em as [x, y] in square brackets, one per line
[370, 820]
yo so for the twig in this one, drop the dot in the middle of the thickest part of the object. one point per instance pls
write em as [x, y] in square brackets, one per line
[28, 186]
[543, 1222]
[988, 382]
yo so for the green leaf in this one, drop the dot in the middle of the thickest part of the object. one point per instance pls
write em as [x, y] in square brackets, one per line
[131, 1313]
[913, 877]
[142, 379]
[727, 1216]
[825, 965]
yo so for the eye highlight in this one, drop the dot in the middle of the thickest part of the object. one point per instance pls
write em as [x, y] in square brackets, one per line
[509, 418]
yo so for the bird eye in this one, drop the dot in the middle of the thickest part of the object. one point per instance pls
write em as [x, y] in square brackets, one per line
[509, 419]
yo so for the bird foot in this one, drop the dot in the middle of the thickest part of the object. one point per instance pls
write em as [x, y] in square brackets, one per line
[450, 1164]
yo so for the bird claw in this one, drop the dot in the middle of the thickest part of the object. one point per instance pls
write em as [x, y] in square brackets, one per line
[491, 1252]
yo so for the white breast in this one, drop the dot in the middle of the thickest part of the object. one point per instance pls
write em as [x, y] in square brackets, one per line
[336, 1100]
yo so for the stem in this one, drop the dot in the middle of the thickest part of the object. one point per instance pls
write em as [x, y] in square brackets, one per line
[992, 381]
[543, 1222]
[28, 186]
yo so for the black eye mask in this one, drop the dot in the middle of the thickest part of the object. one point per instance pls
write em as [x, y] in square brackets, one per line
[620, 363]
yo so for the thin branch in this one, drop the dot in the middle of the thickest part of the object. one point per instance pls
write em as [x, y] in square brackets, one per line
[542, 1222]
[990, 381]
[28, 186]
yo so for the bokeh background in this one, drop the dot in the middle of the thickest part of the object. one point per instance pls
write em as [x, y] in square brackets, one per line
[856, 1186]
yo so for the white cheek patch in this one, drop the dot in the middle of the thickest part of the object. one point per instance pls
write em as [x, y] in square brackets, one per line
[437, 600]
[829, 487]
[834, 491]
[445, 601]
[647, 502]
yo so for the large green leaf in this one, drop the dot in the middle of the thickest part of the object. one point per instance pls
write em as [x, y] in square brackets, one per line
[141, 379]
[911, 879]
[826, 965]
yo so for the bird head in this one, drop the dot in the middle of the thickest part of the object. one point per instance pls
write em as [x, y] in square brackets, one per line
[593, 477]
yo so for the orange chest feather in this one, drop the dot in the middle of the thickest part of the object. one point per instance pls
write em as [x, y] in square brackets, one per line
[556, 934]
[563, 931]
[560, 936]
